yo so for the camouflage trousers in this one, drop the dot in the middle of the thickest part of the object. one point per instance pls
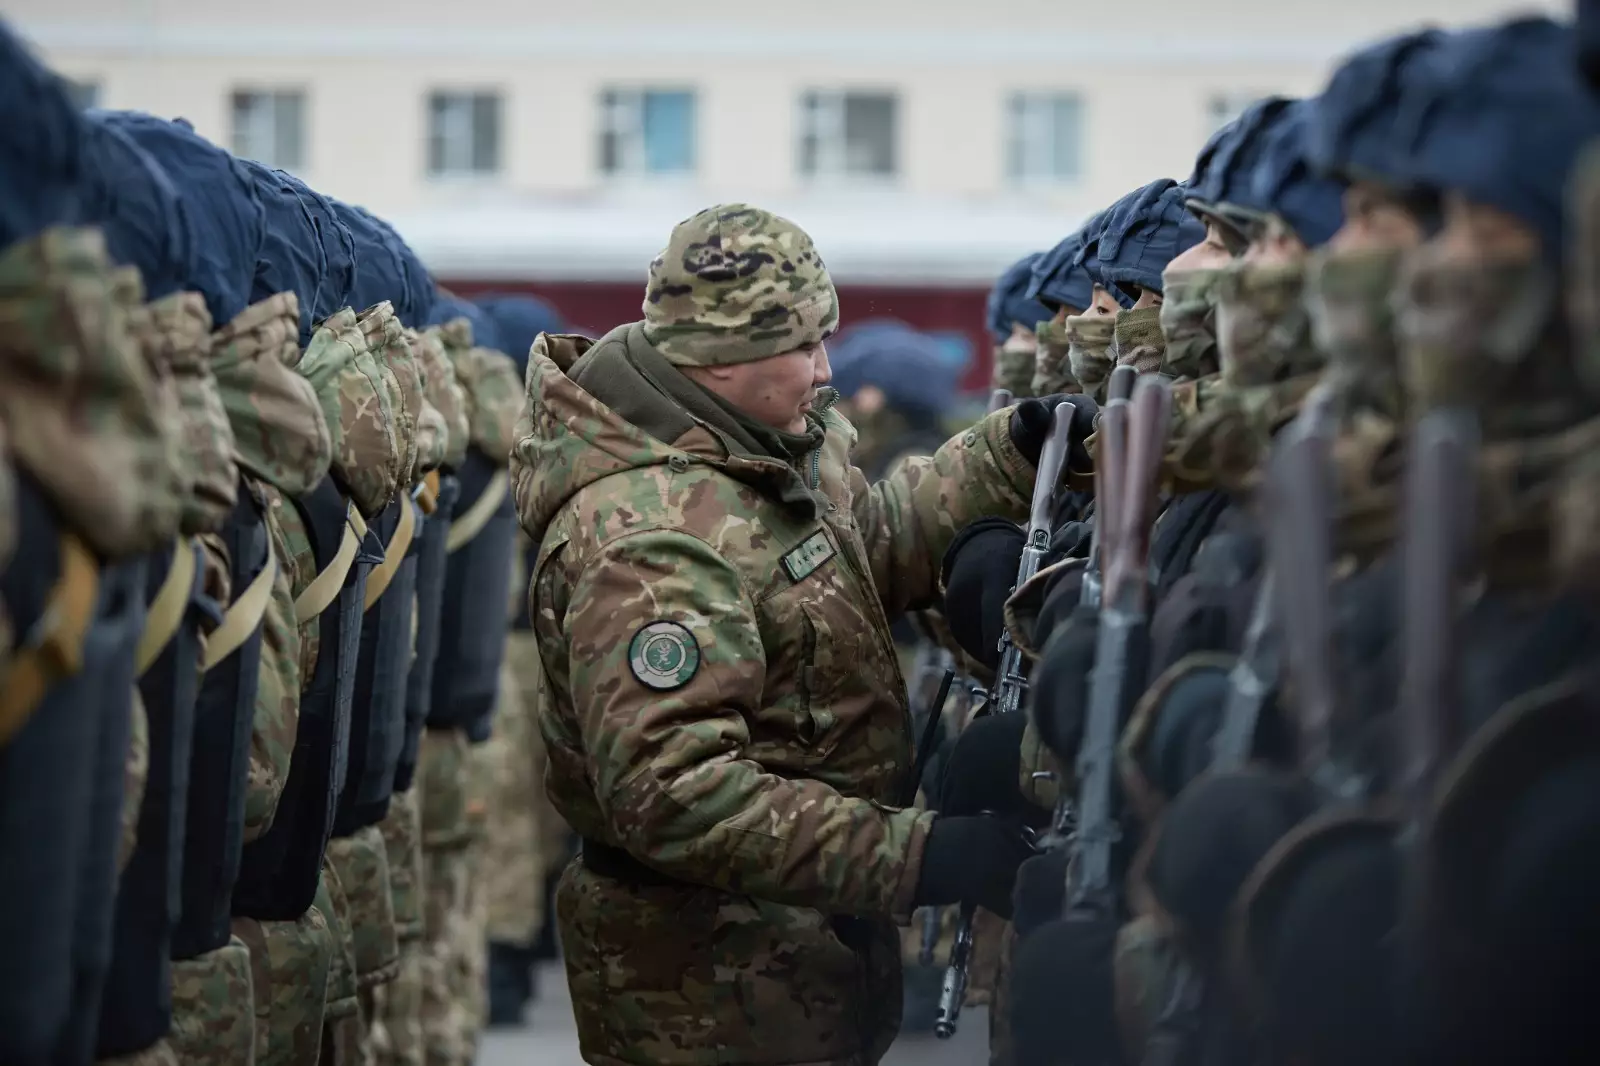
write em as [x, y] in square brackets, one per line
[396, 1007]
[289, 970]
[213, 1008]
[343, 1030]
[452, 778]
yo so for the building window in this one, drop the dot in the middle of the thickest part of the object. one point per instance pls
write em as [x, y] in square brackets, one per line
[1046, 137]
[1223, 108]
[848, 134]
[463, 133]
[83, 94]
[647, 131]
[269, 127]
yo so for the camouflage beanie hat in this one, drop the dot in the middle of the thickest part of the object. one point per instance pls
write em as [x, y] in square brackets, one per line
[736, 284]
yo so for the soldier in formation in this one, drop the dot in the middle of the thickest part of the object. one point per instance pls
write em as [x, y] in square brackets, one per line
[1310, 737]
[255, 495]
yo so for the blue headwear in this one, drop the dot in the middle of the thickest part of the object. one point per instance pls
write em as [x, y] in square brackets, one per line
[1284, 182]
[145, 222]
[41, 145]
[1009, 304]
[338, 249]
[518, 319]
[1507, 124]
[379, 272]
[291, 257]
[1223, 165]
[911, 368]
[1360, 128]
[1061, 277]
[222, 204]
[1146, 231]
[418, 280]
[447, 307]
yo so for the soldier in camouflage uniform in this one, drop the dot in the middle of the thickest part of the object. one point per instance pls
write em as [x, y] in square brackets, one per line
[726, 718]
[1014, 318]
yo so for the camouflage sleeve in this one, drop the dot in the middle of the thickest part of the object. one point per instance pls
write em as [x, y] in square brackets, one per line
[669, 765]
[908, 519]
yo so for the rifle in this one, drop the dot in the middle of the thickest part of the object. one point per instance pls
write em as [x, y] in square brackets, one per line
[1252, 681]
[1125, 488]
[1440, 505]
[1010, 684]
[1300, 498]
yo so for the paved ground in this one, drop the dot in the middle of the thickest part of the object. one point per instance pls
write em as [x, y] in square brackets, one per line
[549, 1039]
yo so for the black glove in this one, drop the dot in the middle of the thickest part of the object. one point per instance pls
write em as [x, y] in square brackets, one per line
[1041, 892]
[981, 774]
[971, 860]
[1058, 689]
[1031, 422]
[980, 566]
[1063, 994]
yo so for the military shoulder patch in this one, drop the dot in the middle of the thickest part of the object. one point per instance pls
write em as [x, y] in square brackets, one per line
[812, 553]
[664, 656]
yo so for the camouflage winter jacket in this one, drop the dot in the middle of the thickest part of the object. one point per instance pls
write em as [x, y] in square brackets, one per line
[726, 706]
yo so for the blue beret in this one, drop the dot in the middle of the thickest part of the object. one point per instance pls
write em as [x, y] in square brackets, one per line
[1361, 126]
[338, 250]
[1507, 123]
[224, 208]
[1284, 182]
[1146, 231]
[1061, 277]
[291, 257]
[145, 221]
[1223, 165]
[518, 319]
[379, 272]
[447, 307]
[1009, 303]
[41, 145]
[910, 367]
[419, 282]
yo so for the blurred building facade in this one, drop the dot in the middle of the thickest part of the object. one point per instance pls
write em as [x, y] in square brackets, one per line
[925, 143]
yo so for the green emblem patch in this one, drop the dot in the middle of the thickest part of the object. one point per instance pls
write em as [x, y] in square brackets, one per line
[812, 553]
[664, 656]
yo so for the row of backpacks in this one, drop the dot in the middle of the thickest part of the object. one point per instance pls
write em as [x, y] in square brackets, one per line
[255, 545]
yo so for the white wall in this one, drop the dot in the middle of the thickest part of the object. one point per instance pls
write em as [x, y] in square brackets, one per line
[367, 66]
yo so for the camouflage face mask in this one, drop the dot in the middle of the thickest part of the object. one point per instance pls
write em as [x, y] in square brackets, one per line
[1137, 341]
[1348, 298]
[1263, 331]
[1189, 323]
[1013, 367]
[1468, 330]
[1052, 370]
[1090, 351]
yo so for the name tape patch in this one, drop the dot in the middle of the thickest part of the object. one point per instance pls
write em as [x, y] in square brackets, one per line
[812, 553]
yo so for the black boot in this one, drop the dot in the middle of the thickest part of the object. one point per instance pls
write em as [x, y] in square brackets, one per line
[510, 984]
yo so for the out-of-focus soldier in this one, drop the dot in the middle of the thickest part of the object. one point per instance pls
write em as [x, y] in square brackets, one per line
[525, 839]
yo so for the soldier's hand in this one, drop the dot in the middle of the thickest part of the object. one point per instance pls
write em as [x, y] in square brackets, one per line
[984, 766]
[980, 566]
[1041, 891]
[974, 860]
[1031, 422]
[1058, 689]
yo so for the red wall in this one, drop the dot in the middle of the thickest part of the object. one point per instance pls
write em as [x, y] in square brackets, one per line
[598, 306]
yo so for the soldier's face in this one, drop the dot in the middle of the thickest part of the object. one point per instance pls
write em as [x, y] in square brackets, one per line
[778, 391]
[1147, 298]
[1476, 233]
[1375, 218]
[1104, 303]
[1276, 244]
[1210, 254]
[1022, 339]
